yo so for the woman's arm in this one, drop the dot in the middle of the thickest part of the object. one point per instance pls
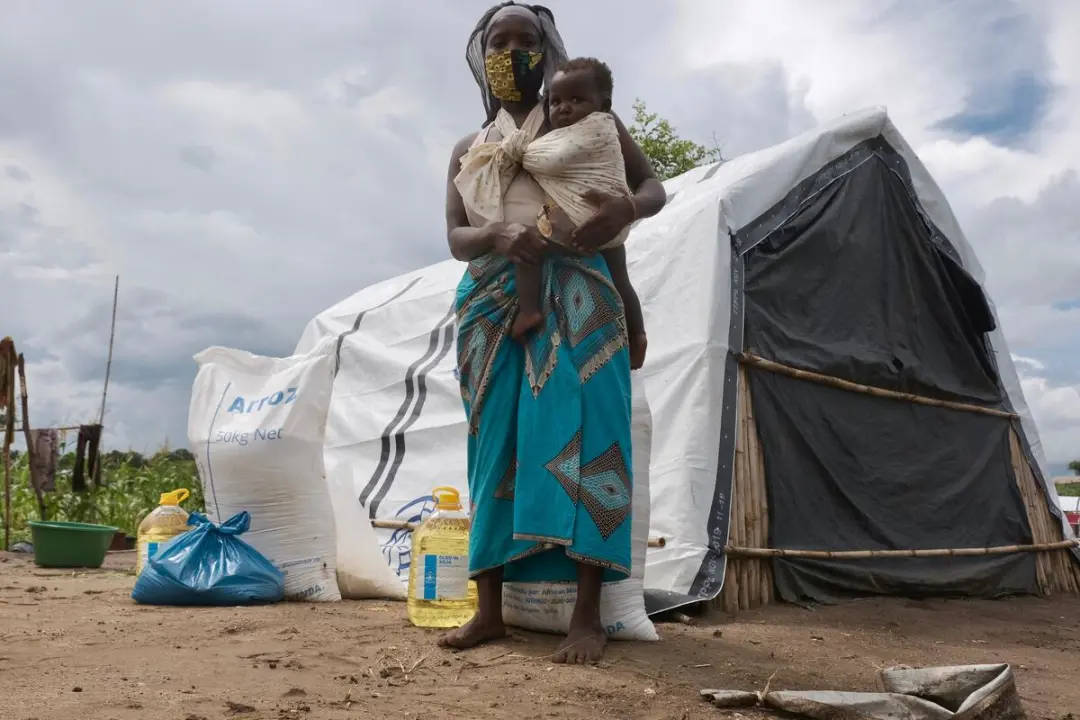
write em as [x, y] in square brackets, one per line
[466, 242]
[649, 194]
[516, 242]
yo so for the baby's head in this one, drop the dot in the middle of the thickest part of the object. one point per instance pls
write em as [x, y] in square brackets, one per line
[579, 88]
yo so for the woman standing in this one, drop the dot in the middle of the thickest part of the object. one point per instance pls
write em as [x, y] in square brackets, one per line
[550, 478]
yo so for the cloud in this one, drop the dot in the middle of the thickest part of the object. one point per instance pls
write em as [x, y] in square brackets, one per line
[242, 167]
[1056, 410]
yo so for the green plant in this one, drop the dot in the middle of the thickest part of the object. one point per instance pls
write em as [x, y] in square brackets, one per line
[131, 487]
[1069, 490]
[670, 154]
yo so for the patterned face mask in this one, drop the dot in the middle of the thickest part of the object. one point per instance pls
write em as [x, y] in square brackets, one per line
[514, 75]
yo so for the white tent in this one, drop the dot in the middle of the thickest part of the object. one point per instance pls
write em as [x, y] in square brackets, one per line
[731, 249]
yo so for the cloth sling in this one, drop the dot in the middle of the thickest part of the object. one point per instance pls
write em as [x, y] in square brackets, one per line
[566, 163]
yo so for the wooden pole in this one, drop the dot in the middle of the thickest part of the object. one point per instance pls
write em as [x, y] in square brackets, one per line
[757, 474]
[7, 493]
[743, 505]
[654, 542]
[112, 339]
[729, 592]
[30, 449]
[1043, 566]
[834, 382]
[61, 428]
[1061, 569]
[7, 394]
[744, 552]
[737, 571]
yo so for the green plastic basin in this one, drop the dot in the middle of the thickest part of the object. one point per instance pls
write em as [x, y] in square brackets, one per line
[70, 544]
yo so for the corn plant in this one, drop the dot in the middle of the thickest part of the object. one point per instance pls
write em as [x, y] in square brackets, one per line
[131, 487]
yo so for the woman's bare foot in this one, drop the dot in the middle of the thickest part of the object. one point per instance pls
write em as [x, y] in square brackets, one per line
[584, 645]
[524, 323]
[477, 631]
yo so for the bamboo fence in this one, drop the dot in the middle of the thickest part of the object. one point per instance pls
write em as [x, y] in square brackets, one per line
[748, 581]
[1056, 571]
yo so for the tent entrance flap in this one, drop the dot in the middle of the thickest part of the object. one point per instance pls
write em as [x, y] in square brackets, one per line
[847, 471]
[852, 287]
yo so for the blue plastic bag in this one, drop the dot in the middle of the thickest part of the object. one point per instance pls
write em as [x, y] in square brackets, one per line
[210, 565]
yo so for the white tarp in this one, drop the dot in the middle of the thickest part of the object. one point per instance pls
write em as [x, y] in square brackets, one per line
[965, 692]
[396, 424]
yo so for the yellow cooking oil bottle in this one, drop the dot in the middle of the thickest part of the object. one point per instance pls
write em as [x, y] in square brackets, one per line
[441, 595]
[164, 522]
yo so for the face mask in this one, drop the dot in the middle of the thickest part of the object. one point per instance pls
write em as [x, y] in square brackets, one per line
[514, 75]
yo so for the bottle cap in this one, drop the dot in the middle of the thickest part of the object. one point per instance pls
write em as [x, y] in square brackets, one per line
[446, 498]
[175, 497]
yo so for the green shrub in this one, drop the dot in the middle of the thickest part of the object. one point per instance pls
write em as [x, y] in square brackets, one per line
[1069, 490]
[132, 485]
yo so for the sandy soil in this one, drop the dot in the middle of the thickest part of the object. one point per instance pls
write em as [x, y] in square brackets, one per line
[74, 645]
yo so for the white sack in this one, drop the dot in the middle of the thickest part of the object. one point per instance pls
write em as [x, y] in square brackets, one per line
[257, 426]
[362, 571]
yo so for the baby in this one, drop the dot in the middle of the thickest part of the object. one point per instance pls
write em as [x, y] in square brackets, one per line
[580, 89]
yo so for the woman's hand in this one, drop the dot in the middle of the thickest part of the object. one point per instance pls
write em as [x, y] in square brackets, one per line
[520, 244]
[613, 214]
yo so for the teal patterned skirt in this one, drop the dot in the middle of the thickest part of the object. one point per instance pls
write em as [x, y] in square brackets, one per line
[550, 476]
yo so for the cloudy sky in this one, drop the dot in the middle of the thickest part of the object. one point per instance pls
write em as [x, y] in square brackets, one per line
[244, 164]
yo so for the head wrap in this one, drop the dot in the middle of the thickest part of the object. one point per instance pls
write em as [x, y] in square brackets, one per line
[551, 44]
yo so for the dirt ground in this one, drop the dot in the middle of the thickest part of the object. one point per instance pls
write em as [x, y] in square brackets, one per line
[74, 645]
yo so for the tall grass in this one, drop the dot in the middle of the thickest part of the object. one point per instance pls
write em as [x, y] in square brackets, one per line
[131, 487]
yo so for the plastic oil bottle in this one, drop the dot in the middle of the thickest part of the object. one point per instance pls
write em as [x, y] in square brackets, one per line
[441, 595]
[164, 522]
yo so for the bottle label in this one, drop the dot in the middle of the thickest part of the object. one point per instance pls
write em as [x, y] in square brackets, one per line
[445, 577]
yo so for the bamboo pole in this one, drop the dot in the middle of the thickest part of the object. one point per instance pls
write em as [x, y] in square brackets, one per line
[61, 428]
[738, 519]
[834, 382]
[7, 492]
[733, 591]
[1038, 513]
[757, 475]
[759, 516]
[8, 361]
[1059, 572]
[729, 591]
[1038, 528]
[748, 580]
[24, 397]
[394, 525]
[1062, 567]
[108, 362]
[654, 542]
[752, 576]
[745, 552]
[756, 457]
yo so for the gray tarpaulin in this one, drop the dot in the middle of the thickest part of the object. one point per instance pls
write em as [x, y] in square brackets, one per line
[853, 286]
[968, 692]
